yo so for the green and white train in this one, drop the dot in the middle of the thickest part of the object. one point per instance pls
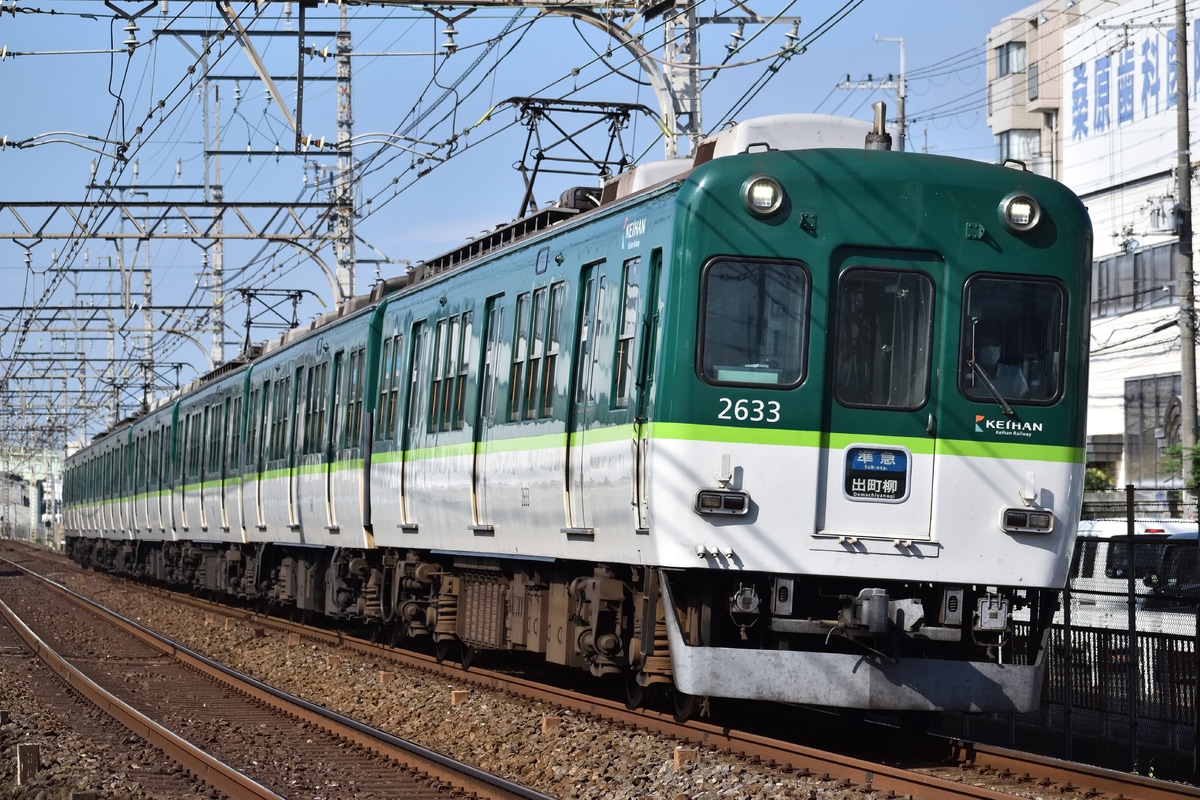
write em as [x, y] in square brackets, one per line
[718, 427]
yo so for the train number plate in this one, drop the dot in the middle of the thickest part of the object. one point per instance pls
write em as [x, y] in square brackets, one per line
[877, 474]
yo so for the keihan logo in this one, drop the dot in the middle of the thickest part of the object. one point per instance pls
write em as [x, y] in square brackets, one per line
[1006, 427]
[630, 232]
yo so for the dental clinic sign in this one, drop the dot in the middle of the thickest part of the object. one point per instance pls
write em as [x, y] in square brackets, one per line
[1119, 94]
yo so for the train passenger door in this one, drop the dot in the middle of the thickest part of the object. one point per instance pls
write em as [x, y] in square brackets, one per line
[591, 377]
[412, 427]
[882, 396]
[642, 384]
[494, 355]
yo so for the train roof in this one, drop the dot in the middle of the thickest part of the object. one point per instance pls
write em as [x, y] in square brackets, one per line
[775, 132]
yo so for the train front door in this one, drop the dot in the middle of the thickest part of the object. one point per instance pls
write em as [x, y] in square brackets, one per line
[882, 393]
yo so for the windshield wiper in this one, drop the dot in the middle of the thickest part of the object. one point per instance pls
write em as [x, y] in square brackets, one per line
[991, 387]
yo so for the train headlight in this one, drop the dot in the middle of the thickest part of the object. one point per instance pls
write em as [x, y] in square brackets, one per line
[1021, 212]
[1023, 520]
[722, 501]
[764, 196]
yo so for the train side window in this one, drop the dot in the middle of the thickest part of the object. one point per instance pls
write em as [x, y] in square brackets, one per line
[280, 418]
[1012, 340]
[216, 424]
[754, 319]
[389, 388]
[318, 401]
[623, 371]
[884, 338]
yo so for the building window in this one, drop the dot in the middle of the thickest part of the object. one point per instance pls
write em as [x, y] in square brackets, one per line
[1032, 82]
[1134, 281]
[1019, 144]
[1010, 58]
[1151, 424]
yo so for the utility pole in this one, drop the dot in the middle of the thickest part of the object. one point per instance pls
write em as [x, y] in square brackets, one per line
[896, 84]
[1187, 299]
[900, 93]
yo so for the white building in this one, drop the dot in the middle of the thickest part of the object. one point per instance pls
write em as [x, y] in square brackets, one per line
[1085, 92]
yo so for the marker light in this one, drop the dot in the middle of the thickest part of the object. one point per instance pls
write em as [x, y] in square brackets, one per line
[722, 501]
[1021, 212]
[764, 196]
[1021, 520]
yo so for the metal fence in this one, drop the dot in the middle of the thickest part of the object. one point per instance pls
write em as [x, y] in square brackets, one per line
[1121, 681]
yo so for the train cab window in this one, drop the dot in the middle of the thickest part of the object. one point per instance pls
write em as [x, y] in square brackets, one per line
[1012, 341]
[753, 323]
[883, 338]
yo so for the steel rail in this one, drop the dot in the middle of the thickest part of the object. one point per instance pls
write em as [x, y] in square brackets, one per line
[217, 774]
[460, 775]
[1064, 777]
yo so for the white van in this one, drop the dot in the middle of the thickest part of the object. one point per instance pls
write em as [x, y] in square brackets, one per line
[1100, 569]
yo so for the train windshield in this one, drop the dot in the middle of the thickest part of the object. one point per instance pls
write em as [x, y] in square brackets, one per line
[1012, 340]
[884, 331]
[754, 320]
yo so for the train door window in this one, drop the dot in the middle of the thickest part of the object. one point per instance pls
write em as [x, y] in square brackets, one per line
[354, 399]
[537, 351]
[254, 429]
[464, 364]
[520, 351]
[438, 385]
[339, 394]
[1012, 343]
[753, 323]
[623, 371]
[420, 347]
[453, 357]
[491, 357]
[234, 421]
[884, 338]
[589, 330]
[553, 347]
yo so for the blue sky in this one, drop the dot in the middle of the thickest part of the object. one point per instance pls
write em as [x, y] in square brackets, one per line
[441, 104]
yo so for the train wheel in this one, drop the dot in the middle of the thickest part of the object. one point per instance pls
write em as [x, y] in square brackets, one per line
[635, 693]
[395, 634]
[467, 655]
[684, 706]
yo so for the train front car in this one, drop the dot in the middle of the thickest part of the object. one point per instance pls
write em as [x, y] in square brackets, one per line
[867, 452]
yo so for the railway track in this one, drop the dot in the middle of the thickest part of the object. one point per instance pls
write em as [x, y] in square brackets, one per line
[933, 769]
[241, 737]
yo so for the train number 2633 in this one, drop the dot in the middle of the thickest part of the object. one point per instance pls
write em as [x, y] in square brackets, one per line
[749, 410]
